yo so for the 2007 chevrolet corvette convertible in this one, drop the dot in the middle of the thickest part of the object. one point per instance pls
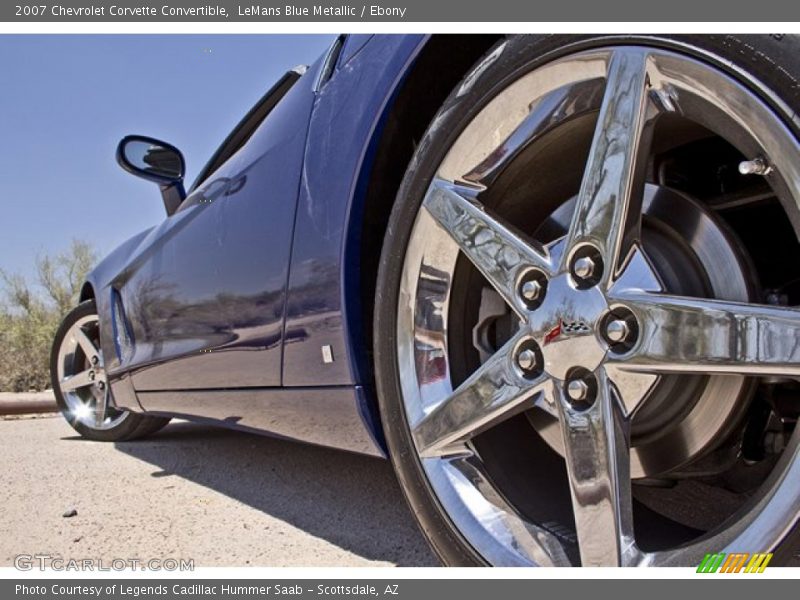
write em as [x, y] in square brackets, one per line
[553, 278]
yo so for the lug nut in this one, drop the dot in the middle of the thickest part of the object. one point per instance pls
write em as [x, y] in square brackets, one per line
[578, 390]
[757, 166]
[584, 267]
[91, 375]
[527, 360]
[617, 331]
[620, 329]
[101, 386]
[531, 290]
[95, 360]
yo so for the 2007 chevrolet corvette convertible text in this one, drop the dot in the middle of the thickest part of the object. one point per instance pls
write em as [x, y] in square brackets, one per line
[554, 278]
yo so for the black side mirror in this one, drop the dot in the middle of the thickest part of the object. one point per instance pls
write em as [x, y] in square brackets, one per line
[155, 161]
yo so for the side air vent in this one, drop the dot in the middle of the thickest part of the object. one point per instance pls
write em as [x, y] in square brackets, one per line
[123, 338]
[329, 65]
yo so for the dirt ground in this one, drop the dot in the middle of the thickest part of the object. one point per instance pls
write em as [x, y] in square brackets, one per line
[219, 497]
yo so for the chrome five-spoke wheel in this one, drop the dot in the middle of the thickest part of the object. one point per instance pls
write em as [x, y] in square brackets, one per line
[81, 384]
[595, 350]
[82, 378]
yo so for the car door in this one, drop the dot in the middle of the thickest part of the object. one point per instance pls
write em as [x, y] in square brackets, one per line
[203, 297]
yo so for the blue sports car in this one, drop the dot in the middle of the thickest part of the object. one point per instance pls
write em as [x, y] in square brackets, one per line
[554, 279]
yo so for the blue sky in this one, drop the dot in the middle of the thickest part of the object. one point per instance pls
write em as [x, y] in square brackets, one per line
[65, 101]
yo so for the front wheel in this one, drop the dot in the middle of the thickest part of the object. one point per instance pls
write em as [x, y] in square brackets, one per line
[586, 330]
[81, 387]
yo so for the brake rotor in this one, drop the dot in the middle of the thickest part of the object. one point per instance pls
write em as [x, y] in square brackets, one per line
[683, 416]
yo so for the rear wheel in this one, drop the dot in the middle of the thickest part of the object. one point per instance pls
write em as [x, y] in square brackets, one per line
[81, 387]
[587, 352]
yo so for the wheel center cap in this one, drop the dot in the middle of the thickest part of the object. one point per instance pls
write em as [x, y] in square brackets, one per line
[565, 327]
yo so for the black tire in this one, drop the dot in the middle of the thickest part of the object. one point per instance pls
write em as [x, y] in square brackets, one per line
[769, 64]
[133, 426]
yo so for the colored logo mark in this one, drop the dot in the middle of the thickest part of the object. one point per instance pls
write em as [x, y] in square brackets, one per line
[735, 562]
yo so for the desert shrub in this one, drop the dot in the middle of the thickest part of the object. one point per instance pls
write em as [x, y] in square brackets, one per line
[30, 312]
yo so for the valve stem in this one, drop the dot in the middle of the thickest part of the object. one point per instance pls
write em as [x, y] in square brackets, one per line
[757, 166]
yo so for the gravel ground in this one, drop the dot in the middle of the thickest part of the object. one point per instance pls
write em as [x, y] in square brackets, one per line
[220, 497]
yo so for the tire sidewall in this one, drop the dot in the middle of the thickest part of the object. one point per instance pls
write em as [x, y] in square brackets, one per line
[768, 65]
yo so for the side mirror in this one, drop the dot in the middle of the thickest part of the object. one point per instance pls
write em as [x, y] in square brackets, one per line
[155, 161]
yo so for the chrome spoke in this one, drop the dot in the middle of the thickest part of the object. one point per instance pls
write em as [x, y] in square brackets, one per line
[547, 113]
[84, 342]
[101, 405]
[531, 541]
[694, 335]
[79, 380]
[498, 251]
[496, 391]
[608, 212]
[597, 449]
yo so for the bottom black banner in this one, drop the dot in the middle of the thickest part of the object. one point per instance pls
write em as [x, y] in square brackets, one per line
[463, 589]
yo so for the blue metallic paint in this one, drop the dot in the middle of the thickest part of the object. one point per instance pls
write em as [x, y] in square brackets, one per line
[327, 416]
[231, 298]
[353, 45]
[100, 281]
[346, 119]
[206, 299]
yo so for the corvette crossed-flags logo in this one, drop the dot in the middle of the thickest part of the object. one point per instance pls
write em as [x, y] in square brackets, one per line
[565, 328]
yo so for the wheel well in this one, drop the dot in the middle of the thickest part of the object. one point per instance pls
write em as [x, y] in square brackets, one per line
[87, 292]
[439, 67]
